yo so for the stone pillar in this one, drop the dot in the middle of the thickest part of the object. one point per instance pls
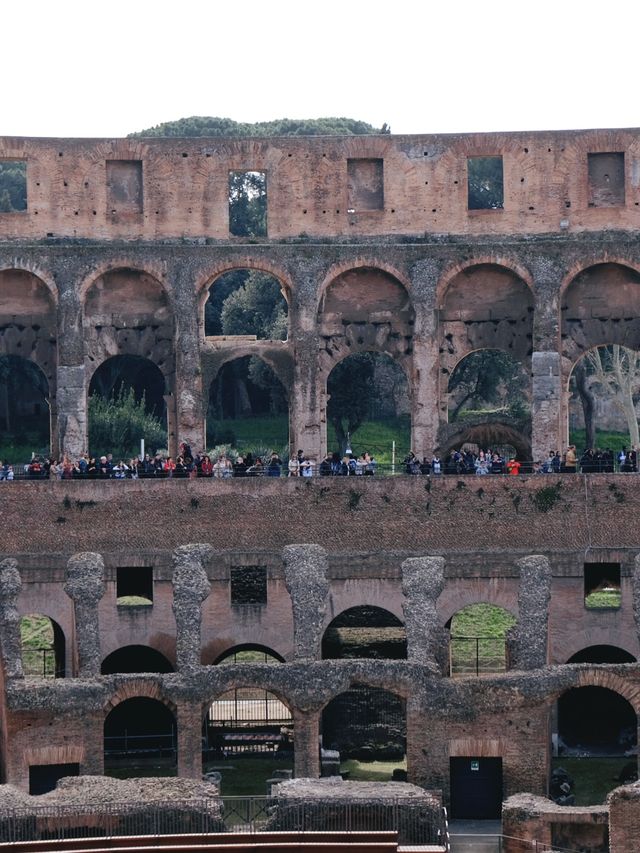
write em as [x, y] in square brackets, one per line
[425, 376]
[530, 636]
[305, 574]
[306, 400]
[10, 641]
[422, 583]
[188, 424]
[72, 426]
[546, 405]
[635, 592]
[190, 588]
[189, 724]
[306, 744]
[85, 586]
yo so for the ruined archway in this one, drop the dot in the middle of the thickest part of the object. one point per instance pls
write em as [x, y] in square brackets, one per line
[135, 658]
[248, 408]
[140, 736]
[43, 647]
[602, 654]
[248, 303]
[25, 410]
[368, 408]
[247, 735]
[478, 639]
[126, 403]
[249, 653]
[603, 387]
[367, 726]
[365, 631]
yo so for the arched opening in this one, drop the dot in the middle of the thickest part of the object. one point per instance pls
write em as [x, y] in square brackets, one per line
[43, 647]
[489, 382]
[249, 303]
[127, 404]
[602, 654]
[368, 408]
[25, 416]
[247, 738]
[135, 659]
[249, 653]
[140, 739]
[604, 387]
[248, 410]
[365, 632]
[365, 730]
[595, 744]
[478, 640]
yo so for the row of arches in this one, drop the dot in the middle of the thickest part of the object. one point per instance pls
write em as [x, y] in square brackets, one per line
[484, 318]
[478, 644]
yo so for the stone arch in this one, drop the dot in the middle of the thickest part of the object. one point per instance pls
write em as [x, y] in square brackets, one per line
[243, 262]
[603, 653]
[139, 688]
[45, 657]
[365, 309]
[249, 647]
[135, 659]
[600, 305]
[580, 640]
[232, 394]
[592, 716]
[152, 269]
[365, 631]
[27, 402]
[486, 433]
[484, 306]
[140, 724]
[376, 263]
[480, 644]
[454, 599]
[366, 722]
[453, 270]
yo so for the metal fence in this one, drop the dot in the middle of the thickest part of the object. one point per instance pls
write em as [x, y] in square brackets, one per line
[503, 844]
[477, 655]
[40, 662]
[415, 822]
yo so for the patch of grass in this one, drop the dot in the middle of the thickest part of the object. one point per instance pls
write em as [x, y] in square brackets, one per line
[247, 777]
[547, 497]
[133, 601]
[603, 599]
[593, 777]
[470, 657]
[604, 440]
[371, 771]
[36, 632]
[482, 620]
[20, 454]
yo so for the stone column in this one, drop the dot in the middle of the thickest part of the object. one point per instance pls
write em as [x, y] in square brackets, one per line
[425, 376]
[635, 592]
[530, 636]
[190, 588]
[10, 641]
[189, 724]
[305, 574]
[547, 431]
[188, 425]
[306, 744]
[85, 586]
[71, 380]
[422, 583]
[305, 400]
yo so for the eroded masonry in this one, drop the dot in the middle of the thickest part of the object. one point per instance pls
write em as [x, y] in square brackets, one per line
[425, 249]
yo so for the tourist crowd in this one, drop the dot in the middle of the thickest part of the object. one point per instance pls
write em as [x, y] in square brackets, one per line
[223, 466]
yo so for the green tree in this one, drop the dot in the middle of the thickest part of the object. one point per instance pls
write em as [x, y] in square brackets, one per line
[349, 388]
[485, 183]
[117, 424]
[215, 126]
[256, 307]
[13, 186]
[486, 380]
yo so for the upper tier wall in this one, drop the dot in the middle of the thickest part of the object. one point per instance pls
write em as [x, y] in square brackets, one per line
[153, 189]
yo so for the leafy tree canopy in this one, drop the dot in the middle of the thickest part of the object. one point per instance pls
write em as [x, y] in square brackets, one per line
[216, 126]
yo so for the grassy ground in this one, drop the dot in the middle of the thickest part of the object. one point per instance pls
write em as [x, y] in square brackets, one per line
[483, 656]
[247, 777]
[604, 440]
[371, 771]
[603, 599]
[593, 777]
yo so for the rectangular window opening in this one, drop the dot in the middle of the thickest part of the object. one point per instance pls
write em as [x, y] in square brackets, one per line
[485, 183]
[602, 586]
[248, 204]
[124, 186]
[134, 586]
[365, 179]
[248, 586]
[606, 179]
[13, 186]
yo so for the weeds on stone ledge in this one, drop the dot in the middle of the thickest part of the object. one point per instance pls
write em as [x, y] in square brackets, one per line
[546, 497]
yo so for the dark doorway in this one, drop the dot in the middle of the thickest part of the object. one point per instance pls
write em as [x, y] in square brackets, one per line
[476, 788]
[44, 777]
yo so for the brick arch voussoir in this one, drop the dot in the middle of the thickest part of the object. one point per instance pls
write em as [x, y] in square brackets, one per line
[243, 262]
[502, 261]
[327, 362]
[401, 688]
[155, 269]
[238, 682]
[460, 600]
[168, 373]
[241, 352]
[587, 263]
[44, 276]
[363, 262]
[600, 677]
[397, 612]
[585, 639]
[139, 688]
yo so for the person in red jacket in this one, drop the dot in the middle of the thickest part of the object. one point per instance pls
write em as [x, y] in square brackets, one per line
[513, 467]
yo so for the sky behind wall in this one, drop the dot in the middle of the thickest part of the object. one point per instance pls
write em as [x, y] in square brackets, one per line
[82, 68]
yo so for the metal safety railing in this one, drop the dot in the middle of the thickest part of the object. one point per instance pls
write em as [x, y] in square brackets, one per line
[477, 655]
[417, 823]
